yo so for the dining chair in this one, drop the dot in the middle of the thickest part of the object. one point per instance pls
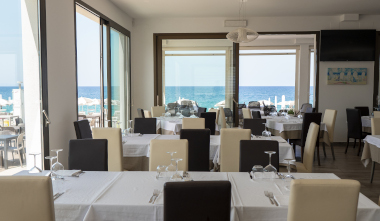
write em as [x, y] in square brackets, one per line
[304, 107]
[256, 115]
[26, 198]
[140, 113]
[159, 153]
[157, 111]
[329, 119]
[375, 126]
[145, 125]
[210, 118]
[83, 129]
[147, 114]
[193, 123]
[88, 155]
[257, 126]
[222, 118]
[364, 111]
[201, 110]
[354, 127]
[247, 113]
[327, 200]
[307, 120]
[376, 114]
[230, 148]
[19, 148]
[217, 114]
[309, 110]
[252, 152]
[198, 148]
[308, 156]
[115, 147]
[197, 200]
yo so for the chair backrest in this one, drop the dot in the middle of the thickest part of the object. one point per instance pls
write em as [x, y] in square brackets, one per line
[247, 113]
[205, 200]
[159, 155]
[201, 110]
[230, 148]
[157, 111]
[376, 114]
[304, 107]
[327, 200]
[210, 118]
[222, 118]
[256, 126]
[307, 120]
[329, 120]
[364, 111]
[354, 123]
[171, 106]
[140, 112]
[254, 104]
[375, 126]
[193, 123]
[115, 146]
[27, 198]
[227, 112]
[311, 141]
[147, 114]
[88, 154]
[309, 110]
[217, 114]
[252, 152]
[83, 129]
[20, 141]
[256, 115]
[145, 125]
[199, 148]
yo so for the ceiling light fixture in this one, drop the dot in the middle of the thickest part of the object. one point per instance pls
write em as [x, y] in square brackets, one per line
[242, 35]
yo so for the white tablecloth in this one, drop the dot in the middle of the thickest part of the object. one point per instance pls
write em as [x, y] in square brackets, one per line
[173, 124]
[366, 121]
[137, 146]
[285, 149]
[281, 124]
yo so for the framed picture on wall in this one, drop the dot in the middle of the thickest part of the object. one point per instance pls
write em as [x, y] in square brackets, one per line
[347, 76]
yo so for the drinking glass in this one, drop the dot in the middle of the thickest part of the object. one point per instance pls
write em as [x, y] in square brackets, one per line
[270, 167]
[160, 169]
[130, 128]
[267, 134]
[257, 171]
[57, 166]
[35, 169]
[176, 176]
[171, 167]
[51, 158]
[288, 175]
[178, 113]
[299, 116]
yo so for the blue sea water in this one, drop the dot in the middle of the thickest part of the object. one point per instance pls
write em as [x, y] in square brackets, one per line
[206, 96]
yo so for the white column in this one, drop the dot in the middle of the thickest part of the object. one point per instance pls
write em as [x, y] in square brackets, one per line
[31, 79]
[304, 74]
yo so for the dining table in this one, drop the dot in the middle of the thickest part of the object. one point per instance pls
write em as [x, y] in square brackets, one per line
[173, 125]
[5, 139]
[125, 196]
[366, 124]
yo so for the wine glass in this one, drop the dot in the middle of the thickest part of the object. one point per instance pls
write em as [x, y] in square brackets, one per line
[176, 176]
[51, 158]
[57, 166]
[171, 167]
[130, 128]
[35, 169]
[160, 169]
[267, 134]
[178, 113]
[289, 175]
[270, 167]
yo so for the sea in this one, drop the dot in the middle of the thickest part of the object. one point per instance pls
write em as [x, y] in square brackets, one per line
[205, 96]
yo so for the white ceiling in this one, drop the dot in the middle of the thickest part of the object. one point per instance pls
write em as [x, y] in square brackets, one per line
[254, 8]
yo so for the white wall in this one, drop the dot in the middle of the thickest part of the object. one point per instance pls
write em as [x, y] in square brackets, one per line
[61, 66]
[340, 97]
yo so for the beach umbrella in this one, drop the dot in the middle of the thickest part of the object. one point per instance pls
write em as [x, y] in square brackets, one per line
[84, 101]
[267, 103]
[220, 104]
[3, 102]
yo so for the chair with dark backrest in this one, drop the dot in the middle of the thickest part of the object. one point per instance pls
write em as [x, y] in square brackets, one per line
[201, 110]
[227, 112]
[197, 200]
[354, 127]
[240, 110]
[256, 125]
[328, 200]
[27, 198]
[210, 118]
[83, 129]
[256, 115]
[145, 125]
[88, 155]
[304, 107]
[307, 120]
[140, 113]
[199, 148]
[375, 130]
[364, 111]
[252, 153]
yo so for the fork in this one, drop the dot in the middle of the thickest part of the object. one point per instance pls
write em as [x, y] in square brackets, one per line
[155, 194]
[267, 195]
[272, 197]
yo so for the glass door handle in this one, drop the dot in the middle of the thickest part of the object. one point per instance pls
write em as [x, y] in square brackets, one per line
[47, 121]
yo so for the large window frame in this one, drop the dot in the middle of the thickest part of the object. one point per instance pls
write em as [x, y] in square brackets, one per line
[108, 24]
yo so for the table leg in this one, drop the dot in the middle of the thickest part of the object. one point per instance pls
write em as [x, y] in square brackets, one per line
[6, 154]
